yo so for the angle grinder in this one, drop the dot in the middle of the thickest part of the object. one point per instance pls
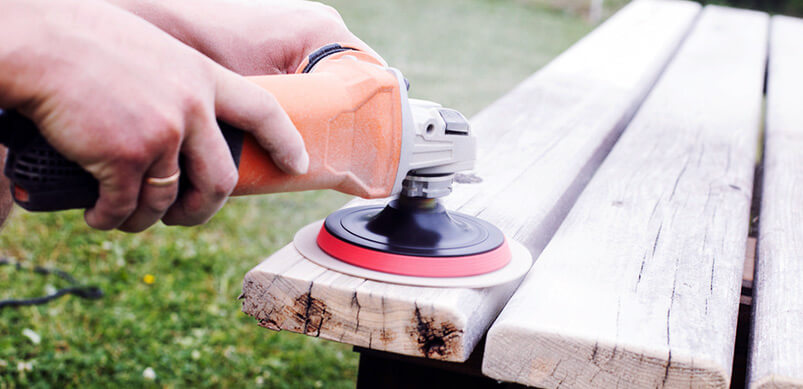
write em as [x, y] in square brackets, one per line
[365, 137]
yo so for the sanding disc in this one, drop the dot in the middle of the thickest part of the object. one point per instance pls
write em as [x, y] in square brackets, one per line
[520, 262]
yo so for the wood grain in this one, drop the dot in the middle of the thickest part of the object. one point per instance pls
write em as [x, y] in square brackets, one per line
[539, 144]
[640, 285]
[776, 351]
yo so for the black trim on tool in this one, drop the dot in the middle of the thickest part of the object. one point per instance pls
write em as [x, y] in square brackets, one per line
[322, 53]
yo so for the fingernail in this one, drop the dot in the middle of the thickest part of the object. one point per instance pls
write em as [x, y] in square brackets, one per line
[301, 164]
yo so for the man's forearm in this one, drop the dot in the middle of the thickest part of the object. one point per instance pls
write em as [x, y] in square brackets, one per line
[163, 14]
[248, 37]
[183, 19]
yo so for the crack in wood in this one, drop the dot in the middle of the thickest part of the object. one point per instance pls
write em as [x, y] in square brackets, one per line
[356, 302]
[314, 314]
[320, 325]
[652, 254]
[668, 321]
[555, 368]
[677, 180]
[308, 303]
[655, 209]
[641, 270]
[666, 372]
[655, 242]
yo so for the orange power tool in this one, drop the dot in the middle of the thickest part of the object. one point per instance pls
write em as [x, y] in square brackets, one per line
[365, 137]
[361, 131]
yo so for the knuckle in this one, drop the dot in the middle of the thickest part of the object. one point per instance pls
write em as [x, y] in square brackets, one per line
[165, 133]
[224, 187]
[132, 158]
[193, 103]
[198, 209]
[171, 136]
[170, 129]
[166, 120]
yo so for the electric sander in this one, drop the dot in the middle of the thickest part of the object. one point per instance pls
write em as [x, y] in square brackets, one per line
[365, 137]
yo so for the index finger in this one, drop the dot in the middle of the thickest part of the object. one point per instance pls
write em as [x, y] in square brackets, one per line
[251, 108]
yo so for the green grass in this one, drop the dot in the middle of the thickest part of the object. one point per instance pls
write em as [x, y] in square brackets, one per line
[462, 54]
[187, 325]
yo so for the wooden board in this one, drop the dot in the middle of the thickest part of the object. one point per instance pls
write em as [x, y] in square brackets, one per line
[538, 146]
[776, 351]
[640, 285]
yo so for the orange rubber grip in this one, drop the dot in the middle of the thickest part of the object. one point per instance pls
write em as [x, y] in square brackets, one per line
[348, 110]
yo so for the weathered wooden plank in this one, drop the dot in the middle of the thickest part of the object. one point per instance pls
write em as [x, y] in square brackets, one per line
[640, 285]
[776, 350]
[550, 133]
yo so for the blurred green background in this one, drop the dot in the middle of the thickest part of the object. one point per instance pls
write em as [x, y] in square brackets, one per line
[186, 326]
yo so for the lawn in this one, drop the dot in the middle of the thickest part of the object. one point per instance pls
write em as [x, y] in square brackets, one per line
[185, 324]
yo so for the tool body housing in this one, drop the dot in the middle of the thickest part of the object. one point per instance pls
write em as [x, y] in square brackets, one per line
[363, 135]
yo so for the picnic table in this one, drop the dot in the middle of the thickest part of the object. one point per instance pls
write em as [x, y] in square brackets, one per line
[627, 166]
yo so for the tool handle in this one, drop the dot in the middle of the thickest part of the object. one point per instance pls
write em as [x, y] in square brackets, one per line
[44, 180]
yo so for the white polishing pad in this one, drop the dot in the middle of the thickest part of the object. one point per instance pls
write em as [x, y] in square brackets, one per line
[305, 242]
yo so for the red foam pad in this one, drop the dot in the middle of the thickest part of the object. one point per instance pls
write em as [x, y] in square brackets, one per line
[408, 265]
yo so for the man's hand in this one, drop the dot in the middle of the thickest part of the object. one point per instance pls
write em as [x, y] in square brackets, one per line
[123, 99]
[250, 38]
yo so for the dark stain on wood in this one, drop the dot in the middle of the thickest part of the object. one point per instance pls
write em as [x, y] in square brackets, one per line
[435, 340]
[306, 315]
[311, 312]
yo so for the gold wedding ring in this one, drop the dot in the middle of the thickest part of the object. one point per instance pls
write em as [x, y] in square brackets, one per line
[163, 181]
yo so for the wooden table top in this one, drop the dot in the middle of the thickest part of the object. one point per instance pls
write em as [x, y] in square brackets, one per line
[626, 167]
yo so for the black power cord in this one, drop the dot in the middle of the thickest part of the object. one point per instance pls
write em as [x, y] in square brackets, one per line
[82, 291]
